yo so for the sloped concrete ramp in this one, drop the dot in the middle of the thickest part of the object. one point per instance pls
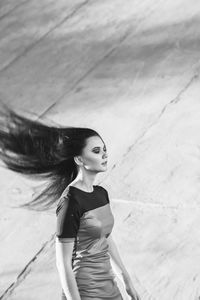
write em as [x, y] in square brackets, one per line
[130, 70]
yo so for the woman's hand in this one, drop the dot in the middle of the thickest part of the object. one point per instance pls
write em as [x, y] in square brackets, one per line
[130, 288]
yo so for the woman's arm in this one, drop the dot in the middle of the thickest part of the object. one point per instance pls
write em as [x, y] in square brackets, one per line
[114, 253]
[64, 265]
[122, 270]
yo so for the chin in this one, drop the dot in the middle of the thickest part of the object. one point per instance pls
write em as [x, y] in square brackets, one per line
[101, 171]
[104, 168]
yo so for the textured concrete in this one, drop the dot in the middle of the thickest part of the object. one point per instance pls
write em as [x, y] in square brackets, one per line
[130, 70]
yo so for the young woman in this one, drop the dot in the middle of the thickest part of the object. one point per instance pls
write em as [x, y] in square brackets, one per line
[69, 158]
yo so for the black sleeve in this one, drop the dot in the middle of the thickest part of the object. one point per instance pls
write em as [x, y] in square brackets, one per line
[106, 194]
[68, 218]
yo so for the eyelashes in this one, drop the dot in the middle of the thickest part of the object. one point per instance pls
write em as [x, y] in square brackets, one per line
[99, 151]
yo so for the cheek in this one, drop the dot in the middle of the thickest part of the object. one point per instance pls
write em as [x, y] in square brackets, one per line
[92, 159]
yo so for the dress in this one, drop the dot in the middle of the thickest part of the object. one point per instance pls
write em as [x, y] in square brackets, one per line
[86, 219]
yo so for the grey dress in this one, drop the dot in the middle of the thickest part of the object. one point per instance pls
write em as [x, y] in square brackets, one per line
[86, 219]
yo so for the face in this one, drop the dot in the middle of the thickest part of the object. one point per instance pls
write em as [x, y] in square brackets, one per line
[94, 154]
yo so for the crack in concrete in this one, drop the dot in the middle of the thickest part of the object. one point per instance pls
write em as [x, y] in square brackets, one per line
[12, 9]
[173, 101]
[157, 205]
[27, 49]
[27, 269]
[122, 38]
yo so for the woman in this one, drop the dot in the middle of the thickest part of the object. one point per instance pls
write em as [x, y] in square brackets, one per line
[70, 158]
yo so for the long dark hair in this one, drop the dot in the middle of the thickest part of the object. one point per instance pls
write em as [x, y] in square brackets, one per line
[41, 151]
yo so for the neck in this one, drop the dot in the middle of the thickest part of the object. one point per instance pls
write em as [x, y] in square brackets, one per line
[85, 179]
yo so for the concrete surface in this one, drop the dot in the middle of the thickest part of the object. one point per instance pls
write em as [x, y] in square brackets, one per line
[130, 70]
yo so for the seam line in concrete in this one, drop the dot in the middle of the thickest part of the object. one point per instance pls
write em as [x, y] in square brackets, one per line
[86, 74]
[120, 41]
[27, 269]
[156, 205]
[11, 10]
[173, 101]
[26, 50]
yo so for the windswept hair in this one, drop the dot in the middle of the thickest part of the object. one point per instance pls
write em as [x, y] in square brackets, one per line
[41, 151]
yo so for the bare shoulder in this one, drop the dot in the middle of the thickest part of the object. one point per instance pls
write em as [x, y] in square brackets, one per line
[73, 184]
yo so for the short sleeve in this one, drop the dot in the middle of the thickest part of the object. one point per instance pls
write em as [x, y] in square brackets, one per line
[68, 218]
[106, 194]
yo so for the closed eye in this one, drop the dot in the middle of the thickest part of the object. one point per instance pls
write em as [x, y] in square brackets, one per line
[98, 150]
